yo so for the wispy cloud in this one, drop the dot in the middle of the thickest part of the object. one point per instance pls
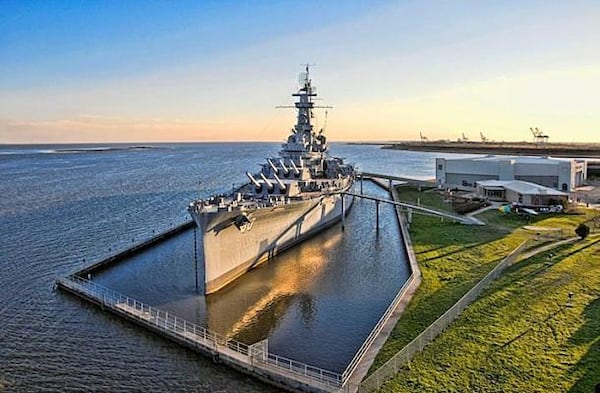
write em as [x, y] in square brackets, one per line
[440, 67]
[88, 128]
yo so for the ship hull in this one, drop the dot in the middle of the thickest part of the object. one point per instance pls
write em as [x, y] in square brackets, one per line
[229, 251]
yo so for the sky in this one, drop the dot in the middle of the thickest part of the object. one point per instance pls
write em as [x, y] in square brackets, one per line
[151, 71]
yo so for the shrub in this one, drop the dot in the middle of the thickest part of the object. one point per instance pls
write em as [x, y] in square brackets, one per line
[582, 231]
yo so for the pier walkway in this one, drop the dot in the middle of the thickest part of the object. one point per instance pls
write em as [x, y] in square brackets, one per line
[251, 359]
[255, 359]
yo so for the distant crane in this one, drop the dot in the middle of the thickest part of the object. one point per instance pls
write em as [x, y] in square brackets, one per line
[538, 136]
[483, 138]
[423, 137]
[464, 138]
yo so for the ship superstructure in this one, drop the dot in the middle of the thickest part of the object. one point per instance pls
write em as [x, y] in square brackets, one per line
[295, 195]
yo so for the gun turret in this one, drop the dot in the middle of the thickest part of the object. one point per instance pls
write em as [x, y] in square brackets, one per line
[267, 182]
[295, 168]
[275, 169]
[282, 186]
[286, 171]
[257, 185]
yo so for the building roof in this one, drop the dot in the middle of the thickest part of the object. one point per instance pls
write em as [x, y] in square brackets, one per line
[515, 159]
[521, 187]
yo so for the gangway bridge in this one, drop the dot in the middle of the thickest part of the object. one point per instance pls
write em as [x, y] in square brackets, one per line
[404, 179]
[410, 208]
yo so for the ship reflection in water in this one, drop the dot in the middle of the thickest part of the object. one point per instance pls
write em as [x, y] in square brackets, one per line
[270, 291]
[315, 302]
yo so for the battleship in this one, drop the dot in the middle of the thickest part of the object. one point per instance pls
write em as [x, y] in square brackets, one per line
[292, 197]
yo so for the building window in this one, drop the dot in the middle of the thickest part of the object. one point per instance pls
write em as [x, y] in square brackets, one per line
[440, 167]
[520, 198]
[494, 194]
[565, 187]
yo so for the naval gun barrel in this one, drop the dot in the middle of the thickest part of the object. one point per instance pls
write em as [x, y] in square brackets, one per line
[296, 170]
[267, 182]
[286, 171]
[275, 169]
[282, 186]
[254, 181]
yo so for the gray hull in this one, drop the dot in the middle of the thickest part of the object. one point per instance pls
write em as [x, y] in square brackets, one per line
[229, 251]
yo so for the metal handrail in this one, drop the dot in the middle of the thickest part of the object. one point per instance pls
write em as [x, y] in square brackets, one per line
[161, 318]
[388, 312]
[314, 373]
[420, 209]
[375, 380]
[195, 334]
[376, 330]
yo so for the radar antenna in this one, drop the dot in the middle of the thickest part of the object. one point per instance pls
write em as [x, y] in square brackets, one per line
[324, 123]
[307, 66]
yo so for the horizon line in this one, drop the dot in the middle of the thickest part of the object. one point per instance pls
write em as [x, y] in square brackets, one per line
[373, 141]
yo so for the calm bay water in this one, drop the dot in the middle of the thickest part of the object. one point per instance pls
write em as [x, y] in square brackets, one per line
[60, 209]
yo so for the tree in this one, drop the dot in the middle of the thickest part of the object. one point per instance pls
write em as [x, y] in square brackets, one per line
[582, 231]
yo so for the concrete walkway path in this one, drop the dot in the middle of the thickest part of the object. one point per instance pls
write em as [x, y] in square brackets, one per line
[493, 206]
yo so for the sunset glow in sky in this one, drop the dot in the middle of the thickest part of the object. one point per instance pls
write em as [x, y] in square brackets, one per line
[125, 71]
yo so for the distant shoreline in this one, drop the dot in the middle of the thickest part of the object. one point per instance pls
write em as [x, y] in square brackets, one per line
[572, 150]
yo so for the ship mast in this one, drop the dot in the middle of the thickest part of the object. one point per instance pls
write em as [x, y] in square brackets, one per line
[305, 107]
[303, 137]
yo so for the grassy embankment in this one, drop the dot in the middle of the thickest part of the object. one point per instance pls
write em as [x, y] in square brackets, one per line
[518, 336]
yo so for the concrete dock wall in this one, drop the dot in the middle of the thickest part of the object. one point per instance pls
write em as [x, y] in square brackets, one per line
[378, 378]
[254, 360]
[362, 361]
[120, 255]
[404, 231]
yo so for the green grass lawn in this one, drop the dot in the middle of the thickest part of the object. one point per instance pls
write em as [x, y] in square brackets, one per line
[427, 197]
[520, 336]
[566, 222]
[453, 258]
